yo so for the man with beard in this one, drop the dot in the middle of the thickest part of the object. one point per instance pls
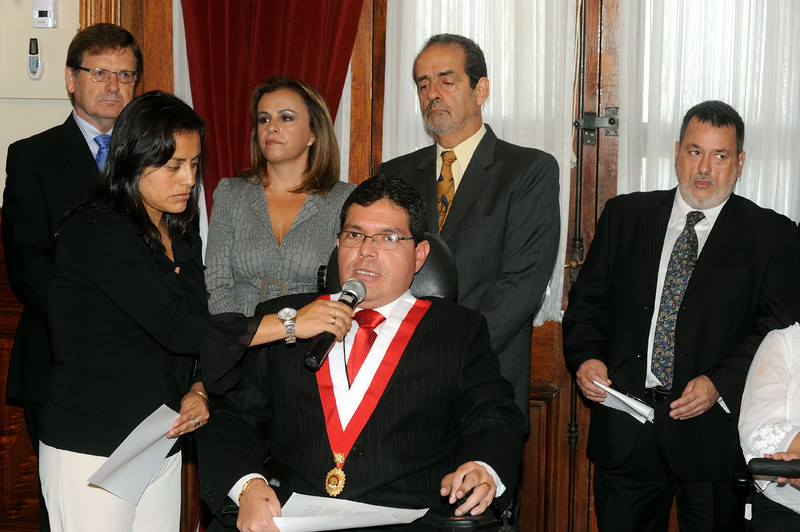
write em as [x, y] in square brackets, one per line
[677, 291]
[494, 203]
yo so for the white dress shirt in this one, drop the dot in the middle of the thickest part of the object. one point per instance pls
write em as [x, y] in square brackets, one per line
[677, 221]
[89, 132]
[464, 152]
[770, 415]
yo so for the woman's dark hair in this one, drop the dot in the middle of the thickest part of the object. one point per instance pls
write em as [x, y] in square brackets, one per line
[144, 137]
[322, 172]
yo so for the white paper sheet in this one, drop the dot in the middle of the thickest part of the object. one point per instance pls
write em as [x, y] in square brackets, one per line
[637, 408]
[304, 513]
[132, 465]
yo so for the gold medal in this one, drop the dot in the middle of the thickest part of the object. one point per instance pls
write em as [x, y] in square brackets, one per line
[334, 481]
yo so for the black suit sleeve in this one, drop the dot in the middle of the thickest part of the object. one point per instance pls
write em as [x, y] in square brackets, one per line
[776, 306]
[530, 241]
[488, 419]
[585, 321]
[26, 231]
[233, 444]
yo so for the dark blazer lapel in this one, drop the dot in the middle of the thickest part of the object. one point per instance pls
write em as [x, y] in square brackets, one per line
[425, 182]
[77, 153]
[655, 225]
[722, 236]
[412, 349]
[473, 182]
[648, 238]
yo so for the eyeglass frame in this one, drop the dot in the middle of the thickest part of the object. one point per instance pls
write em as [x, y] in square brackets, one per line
[93, 71]
[372, 237]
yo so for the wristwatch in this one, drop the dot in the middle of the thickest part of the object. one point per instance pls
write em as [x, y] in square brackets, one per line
[287, 316]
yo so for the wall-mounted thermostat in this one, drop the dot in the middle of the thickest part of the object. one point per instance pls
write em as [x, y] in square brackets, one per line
[45, 13]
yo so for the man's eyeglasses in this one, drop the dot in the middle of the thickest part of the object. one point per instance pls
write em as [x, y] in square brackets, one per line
[385, 241]
[103, 74]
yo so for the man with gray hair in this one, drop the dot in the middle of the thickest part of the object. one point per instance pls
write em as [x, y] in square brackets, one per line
[494, 203]
[678, 289]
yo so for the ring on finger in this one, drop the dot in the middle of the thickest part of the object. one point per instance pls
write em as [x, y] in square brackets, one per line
[196, 422]
[485, 484]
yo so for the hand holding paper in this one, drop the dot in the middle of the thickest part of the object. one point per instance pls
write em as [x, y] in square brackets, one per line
[130, 467]
[637, 408]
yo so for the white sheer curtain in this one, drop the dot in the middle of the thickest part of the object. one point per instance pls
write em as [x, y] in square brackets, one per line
[676, 53]
[183, 90]
[529, 47]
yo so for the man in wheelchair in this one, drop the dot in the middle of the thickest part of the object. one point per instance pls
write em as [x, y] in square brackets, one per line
[408, 410]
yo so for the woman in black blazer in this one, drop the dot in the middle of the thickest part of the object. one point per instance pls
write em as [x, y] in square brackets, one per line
[127, 308]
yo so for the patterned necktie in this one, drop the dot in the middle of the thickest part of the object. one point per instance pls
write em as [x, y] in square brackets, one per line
[679, 270]
[445, 186]
[102, 152]
[365, 337]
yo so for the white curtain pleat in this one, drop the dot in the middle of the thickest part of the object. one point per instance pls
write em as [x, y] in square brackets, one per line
[530, 55]
[676, 53]
[183, 90]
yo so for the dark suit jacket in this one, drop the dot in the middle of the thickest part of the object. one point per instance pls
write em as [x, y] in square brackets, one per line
[745, 283]
[445, 404]
[503, 230]
[47, 174]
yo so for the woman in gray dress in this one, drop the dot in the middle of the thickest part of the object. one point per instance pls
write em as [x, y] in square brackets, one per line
[273, 226]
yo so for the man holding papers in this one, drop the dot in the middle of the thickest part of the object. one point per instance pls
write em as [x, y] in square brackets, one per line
[678, 288]
[417, 420]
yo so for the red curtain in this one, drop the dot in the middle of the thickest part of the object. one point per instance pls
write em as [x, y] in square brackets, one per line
[233, 45]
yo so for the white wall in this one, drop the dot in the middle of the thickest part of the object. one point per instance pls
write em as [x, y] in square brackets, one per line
[23, 117]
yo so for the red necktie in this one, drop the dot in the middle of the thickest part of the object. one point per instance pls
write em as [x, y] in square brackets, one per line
[365, 337]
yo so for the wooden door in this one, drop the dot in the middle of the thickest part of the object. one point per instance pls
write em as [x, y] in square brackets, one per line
[590, 189]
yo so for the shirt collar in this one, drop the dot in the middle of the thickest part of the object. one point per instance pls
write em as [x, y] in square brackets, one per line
[466, 149]
[680, 209]
[387, 309]
[88, 131]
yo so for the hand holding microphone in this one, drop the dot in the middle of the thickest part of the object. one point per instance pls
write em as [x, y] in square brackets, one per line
[353, 292]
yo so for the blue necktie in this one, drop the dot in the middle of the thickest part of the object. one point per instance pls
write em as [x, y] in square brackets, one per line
[679, 270]
[102, 152]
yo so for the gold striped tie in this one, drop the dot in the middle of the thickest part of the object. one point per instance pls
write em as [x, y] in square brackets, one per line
[445, 186]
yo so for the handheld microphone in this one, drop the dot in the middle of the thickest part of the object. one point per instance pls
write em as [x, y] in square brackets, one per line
[353, 293]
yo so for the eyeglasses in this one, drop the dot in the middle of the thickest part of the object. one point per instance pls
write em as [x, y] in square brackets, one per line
[103, 74]
[385, 241]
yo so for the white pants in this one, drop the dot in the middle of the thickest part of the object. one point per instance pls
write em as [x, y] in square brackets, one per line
[77, 506]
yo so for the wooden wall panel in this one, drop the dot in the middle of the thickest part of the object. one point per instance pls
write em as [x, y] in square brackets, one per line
[366, 109]
[599, 183]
